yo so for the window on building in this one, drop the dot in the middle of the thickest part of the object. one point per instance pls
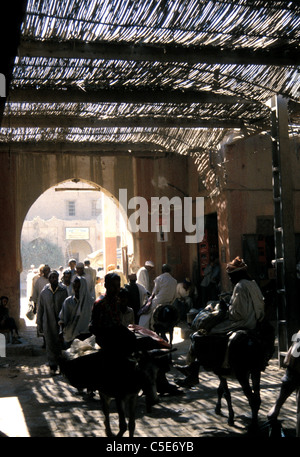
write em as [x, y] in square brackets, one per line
[96, 210]
[71, 208]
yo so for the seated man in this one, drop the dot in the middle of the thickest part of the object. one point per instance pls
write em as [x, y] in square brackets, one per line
[6, 322]
[245, 310]
[186, 297]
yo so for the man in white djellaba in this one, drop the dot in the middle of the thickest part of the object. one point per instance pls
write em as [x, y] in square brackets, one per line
[143, 277]
[164, 293]
[75, 314]
[50, 303]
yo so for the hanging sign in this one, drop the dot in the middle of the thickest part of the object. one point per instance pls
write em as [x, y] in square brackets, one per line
[77, 233]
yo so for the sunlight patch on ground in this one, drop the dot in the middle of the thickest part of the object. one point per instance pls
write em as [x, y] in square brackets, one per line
[12, 421]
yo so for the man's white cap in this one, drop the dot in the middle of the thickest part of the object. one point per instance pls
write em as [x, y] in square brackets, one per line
[148, 263]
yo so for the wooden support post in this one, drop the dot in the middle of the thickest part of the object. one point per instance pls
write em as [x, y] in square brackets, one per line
[284, 233]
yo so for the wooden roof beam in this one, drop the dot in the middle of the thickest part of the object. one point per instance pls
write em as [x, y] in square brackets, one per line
[137, 96]
[84, 147]
[158, 53]
[66, 121]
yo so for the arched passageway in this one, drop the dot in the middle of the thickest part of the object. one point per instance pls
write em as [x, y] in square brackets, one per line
[74, 219]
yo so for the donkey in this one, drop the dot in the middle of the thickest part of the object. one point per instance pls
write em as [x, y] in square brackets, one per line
[244, 360]
[118, 378]
[165, 318]
[247, 357]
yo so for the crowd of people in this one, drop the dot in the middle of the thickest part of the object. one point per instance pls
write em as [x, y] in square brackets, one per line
[78, 302]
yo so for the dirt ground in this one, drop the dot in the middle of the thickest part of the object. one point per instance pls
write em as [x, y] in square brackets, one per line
[34, 404]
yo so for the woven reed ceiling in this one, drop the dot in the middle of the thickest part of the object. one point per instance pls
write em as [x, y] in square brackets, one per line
[174, 76]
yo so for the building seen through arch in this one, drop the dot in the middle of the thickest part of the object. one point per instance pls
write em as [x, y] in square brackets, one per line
[73, 220]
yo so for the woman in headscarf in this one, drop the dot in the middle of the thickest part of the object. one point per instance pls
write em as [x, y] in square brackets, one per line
[75, 315]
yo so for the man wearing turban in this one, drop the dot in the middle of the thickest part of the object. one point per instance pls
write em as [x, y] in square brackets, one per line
[246, 306]
[245, 309]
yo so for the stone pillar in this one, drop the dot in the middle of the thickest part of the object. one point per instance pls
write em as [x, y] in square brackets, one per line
[110, 251]
[10, 257]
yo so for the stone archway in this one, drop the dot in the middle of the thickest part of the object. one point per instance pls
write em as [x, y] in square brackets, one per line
[92, 223]
[47, 170]
[78, 249]
[28, 175]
